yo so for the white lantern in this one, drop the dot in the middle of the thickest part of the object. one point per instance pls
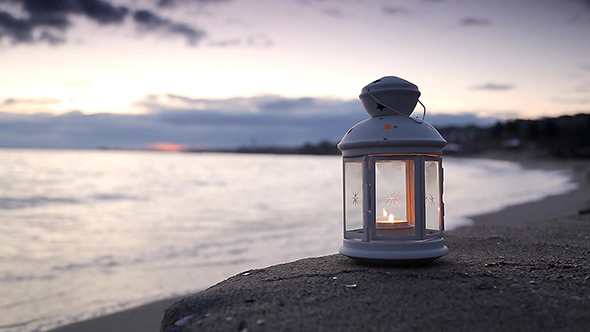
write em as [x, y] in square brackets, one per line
[393, 180]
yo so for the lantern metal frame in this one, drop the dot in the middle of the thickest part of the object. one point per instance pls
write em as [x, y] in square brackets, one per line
[415, 141]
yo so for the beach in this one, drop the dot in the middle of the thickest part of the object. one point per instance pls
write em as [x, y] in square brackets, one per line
[501, 239]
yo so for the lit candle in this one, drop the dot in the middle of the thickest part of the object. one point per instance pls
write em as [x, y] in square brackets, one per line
[389, 221]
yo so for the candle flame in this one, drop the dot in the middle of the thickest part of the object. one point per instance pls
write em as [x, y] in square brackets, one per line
[390, 219]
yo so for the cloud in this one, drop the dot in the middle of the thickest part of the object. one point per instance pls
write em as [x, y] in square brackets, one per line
[395, 10]
[572, 101]
[334, 12]
[47, 20]
[97, 10]
[494, 87]
[51, 39]
[175, 3]
[52, 16]
[585, 67]
[29, 101]
[271, 120]
[260, 40]
[257, 41]
[226, 42]
[474, 21]
[148, 21]
[28, 105]
[286, 105]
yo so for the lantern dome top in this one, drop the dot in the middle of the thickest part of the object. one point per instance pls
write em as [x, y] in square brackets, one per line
[390, 95]
[390, 83]
[390, 130]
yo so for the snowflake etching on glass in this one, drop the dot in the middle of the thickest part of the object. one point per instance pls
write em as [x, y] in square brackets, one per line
[430, 199]
[355, 198]
[392, 198]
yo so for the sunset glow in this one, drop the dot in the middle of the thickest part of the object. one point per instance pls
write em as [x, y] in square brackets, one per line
[178, 71]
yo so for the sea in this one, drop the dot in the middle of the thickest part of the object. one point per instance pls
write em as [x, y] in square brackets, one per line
[91, 232]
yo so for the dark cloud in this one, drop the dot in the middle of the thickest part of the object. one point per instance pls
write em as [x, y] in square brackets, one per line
[51, 39]
[148, 21]
[272, 120]
[494, 87]
[474, 21]
[97, 10]
[51, 16]
[395, 10]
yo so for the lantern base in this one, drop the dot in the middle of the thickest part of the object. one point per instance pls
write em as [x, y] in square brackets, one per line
[394, 253]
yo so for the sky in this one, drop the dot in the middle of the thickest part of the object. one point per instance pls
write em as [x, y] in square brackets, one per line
[228, 73]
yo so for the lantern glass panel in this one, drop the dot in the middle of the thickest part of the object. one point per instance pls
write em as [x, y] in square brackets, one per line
[353, 192]
[433, 196]
[394, 198]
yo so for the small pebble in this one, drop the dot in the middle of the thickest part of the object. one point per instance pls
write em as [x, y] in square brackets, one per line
[485, 286]
[496, 237]
[351, 286]
[184, 321]
[260, 321]
[334, 278]
[246, 274]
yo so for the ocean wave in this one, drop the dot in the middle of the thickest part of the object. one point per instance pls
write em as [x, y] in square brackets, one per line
[116, 197]
[6, 278]
[10, 203]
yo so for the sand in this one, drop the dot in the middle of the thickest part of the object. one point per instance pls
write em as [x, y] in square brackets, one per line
[144, 318]
[523, 268]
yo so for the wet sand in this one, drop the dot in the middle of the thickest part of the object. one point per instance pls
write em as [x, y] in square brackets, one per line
[525, 267]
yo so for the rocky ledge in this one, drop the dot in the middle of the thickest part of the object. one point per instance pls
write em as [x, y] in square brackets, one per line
[535, 277]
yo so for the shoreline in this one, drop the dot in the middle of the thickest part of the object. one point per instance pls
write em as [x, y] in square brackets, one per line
[550, 207]
[148, 316]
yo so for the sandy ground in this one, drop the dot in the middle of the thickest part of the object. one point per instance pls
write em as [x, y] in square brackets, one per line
[523, 268]
[145, 318]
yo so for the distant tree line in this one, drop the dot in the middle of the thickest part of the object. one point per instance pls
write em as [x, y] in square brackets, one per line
[565, 136]
[322, 148]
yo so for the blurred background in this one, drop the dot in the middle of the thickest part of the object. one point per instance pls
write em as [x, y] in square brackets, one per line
[205, 74]
[121, 122]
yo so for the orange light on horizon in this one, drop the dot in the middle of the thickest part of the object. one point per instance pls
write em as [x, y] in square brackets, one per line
[166, 146]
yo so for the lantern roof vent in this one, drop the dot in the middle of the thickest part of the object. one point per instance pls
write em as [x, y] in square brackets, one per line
[390, 95]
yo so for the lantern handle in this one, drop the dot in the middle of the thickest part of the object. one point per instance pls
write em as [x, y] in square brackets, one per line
[400, 113]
